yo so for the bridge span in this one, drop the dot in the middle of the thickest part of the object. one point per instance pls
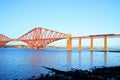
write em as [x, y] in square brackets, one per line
[92, 37]
[39, 38]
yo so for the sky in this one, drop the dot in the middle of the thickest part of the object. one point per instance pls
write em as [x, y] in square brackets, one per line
[78, 17]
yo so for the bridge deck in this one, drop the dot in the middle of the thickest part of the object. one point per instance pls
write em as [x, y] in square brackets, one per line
[98, 36]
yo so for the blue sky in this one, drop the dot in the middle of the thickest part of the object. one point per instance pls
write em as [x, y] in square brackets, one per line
[78, 17]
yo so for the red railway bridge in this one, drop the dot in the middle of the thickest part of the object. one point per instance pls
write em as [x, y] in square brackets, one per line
[39, 38]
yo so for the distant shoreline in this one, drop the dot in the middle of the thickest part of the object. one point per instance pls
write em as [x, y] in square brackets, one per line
[99, 49]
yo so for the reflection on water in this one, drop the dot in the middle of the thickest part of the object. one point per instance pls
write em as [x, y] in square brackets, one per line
[35, 58]
[105, 58]
[79, 58]
[24, 63]
[69, 59]
[91, 58]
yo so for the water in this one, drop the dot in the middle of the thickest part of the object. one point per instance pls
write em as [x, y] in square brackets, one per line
[25, 63]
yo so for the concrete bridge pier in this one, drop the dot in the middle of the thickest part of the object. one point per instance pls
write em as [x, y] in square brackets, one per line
[105, 43]
[80, 44]
[69, 42]
[91, 44]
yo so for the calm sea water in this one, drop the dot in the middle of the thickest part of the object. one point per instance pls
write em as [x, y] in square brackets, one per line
[25, 63]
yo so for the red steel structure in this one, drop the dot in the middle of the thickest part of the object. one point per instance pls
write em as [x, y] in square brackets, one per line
[3, 40]
[40, 37]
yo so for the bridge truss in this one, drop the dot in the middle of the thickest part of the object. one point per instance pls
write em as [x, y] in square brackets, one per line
[40, 37]
[3, 40]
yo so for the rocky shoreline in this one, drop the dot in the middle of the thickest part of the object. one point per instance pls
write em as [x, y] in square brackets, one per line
[103, 73]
